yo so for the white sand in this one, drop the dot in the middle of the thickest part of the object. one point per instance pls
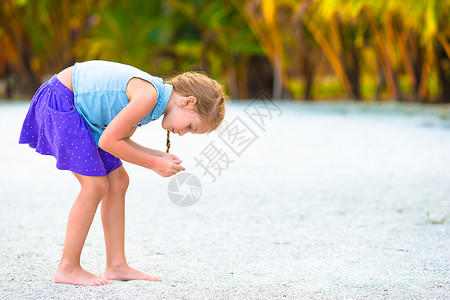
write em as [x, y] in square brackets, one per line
[330, 202]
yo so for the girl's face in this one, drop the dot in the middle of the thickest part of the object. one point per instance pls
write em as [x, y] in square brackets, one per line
[182, 117]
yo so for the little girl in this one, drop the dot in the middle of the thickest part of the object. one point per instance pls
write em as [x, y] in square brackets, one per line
[84, 116]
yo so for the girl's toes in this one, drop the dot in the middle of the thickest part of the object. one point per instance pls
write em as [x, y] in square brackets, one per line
[100, 282]
[151, 278]
[105, 281]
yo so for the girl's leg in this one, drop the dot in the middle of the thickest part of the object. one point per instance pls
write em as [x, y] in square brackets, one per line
[81, 215]
[113, 219]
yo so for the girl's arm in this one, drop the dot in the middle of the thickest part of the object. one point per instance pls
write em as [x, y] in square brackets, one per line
[114, 140]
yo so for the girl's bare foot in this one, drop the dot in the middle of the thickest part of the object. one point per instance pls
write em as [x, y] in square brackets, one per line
[78, 276]
[125, 273]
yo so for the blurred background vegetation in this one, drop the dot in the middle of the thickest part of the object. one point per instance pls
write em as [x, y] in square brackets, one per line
[371, 50]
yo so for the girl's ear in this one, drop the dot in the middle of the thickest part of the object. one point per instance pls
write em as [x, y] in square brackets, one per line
[190, 100]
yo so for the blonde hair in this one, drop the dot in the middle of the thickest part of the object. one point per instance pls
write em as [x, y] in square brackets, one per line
[209, 93]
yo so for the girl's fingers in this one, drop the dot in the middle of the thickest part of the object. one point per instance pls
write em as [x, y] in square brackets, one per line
[179, 168]
[176, 160]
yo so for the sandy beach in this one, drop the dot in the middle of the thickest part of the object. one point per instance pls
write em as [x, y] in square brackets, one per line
[315, 201]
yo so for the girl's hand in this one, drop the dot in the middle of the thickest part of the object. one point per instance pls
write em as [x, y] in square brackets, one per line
[173, 158]
[167, 167]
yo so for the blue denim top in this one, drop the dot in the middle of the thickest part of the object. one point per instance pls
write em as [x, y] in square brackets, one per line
[99, 89]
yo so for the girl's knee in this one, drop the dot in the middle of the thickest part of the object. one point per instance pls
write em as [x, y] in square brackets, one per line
[119, 182]
[96, 187]
[123, 181]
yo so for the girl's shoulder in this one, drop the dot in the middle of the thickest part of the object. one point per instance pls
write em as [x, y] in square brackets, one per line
[65, 76]
[139, 87]
[101, 75]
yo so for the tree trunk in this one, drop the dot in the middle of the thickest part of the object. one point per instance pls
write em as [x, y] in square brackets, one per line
[354, 74]
[260, 76]
[308, 72]
[402, 45]
[329, 52]
[416, 55]
[379, 43]
[425, 73]
[443, 63]
[242, 76]
[277, 78]
[350, 58]
[232, 80]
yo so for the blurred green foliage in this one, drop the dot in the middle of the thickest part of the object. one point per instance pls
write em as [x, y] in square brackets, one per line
[301, 49]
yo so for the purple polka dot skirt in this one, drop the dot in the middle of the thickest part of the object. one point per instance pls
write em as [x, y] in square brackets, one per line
[53, 127]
